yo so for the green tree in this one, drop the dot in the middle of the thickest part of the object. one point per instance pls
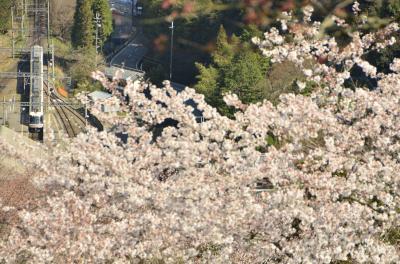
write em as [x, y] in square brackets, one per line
[102, 7]
[208, 83]
[385, 8]
[83, 29]
[245, 76]
[386, 11]
[83, 63]
[394, 8]
[250, 31]
[224, 51]
[5, 15]
[156, 74]
[62, 18]
[238, 68]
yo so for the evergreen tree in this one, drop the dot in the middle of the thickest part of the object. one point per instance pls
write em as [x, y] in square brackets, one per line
[224, 52]
[393, 8]
[238, 68]
[245, 74]
[102, 7]
[83, 29]
[250, 31]
[207, 83]
[156, 74]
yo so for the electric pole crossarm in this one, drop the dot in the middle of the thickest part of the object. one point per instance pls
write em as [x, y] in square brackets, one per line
[36, 10]
[14, 75]
[16, 50]
[25, 30]
[172, 47]
[27, 104]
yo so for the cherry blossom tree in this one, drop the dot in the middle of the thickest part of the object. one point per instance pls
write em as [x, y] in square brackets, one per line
[311, 180]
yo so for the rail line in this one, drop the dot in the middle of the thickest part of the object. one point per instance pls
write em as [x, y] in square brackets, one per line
[66, 121]
[70, 109]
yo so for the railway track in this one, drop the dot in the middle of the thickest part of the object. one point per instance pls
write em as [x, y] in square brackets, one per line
[64, 113]
[73, 111]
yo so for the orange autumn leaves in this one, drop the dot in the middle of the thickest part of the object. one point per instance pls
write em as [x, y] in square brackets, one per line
[255, 11]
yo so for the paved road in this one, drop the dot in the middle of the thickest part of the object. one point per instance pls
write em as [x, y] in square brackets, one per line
[122, 6]
[131, 56]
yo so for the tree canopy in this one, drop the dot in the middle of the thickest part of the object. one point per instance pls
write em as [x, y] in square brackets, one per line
[309, 180]
[102, 7]
[84, 25]
[82, 31]
[5, 15]
[236, 67]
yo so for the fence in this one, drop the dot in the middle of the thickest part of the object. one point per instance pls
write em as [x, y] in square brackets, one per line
[14, 114]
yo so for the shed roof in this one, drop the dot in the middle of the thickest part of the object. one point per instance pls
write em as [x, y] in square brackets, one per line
[110, 72]
[99, 95]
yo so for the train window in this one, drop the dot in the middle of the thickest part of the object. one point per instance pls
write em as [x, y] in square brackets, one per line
[36, 119]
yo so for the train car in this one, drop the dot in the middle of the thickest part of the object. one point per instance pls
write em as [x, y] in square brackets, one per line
[36, 90]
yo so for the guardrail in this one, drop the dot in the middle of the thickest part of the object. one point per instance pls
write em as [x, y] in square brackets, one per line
[123, 67]
[123, 46]
[200, 119]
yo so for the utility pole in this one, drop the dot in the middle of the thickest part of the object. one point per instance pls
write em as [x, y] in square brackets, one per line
[22, 27]
[86, 115]
[12, 33]
[172, 45]
[4, 110]
[48, 23]
[22, 16]
[48, 55]
[52, 61]
[97, 21]
[22, 127]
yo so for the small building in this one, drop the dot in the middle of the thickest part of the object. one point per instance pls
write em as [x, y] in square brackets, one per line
[99, 95]
[104, 101]
[123, 73]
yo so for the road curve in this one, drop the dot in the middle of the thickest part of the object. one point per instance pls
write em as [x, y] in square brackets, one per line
[132, 54]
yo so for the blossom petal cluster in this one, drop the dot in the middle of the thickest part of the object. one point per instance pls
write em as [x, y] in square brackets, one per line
[310, 180]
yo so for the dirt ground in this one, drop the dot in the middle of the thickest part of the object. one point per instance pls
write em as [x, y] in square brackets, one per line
[8, 87]
[18, 192]
[16, 189]
[7, 64]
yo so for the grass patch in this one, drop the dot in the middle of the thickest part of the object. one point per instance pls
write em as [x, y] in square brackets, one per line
[7, 62]
[122, 113]
[63, 49]
[23, 257]
[4, 231]
[313, 143]
[152, 261]
[212, 248]
[341, 173]
[5, 40]
[271, 140]
[158, 261]
[392, 236]
[343, 262]
[282, 78]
